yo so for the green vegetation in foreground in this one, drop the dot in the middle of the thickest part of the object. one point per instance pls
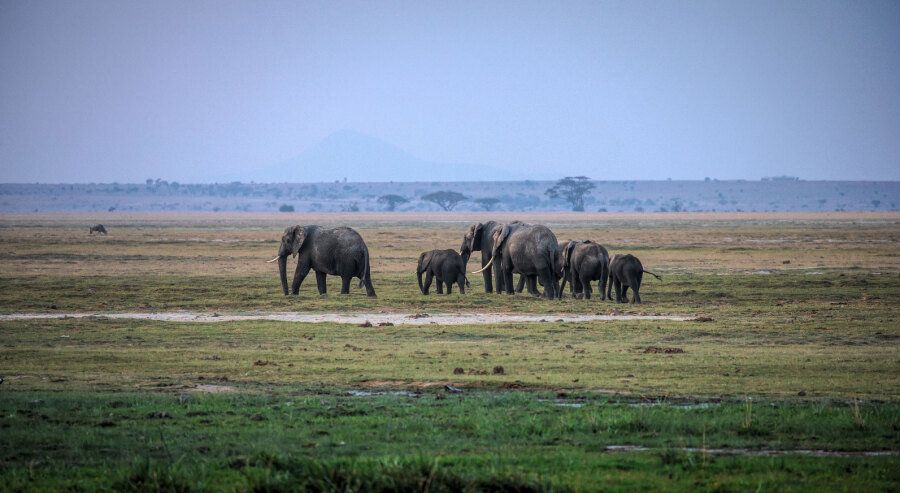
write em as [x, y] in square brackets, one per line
[476, 440]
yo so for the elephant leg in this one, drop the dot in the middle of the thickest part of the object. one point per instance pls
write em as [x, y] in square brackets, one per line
[487, 274]
[575, 283]
[299, 275]
[624, 293]
[617, 284]
[345, 284]
[449, 287]
[370, 290]
[636, 293]
[532, 285]
[508, 281]
[440, 285]
[521, 286]
[461, 281]
[604, 295]
[428, 278]
[320, 282]
[499, 278]
[586, 286]
[549, 283]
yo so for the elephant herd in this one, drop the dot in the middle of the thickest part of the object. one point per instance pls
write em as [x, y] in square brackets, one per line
[530, 250]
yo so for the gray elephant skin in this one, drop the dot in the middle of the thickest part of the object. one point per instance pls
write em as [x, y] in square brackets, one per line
[626, 271]
[97, 228]
[527, 249]
[533, 281]
[337, 252]
[480, 237]
[584, 262]
[445, 266]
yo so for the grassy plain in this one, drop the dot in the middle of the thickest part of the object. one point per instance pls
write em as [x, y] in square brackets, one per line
[800, 314]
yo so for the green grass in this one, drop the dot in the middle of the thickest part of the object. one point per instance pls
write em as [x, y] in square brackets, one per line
[798, 293]
[480, 440]
[802, 357]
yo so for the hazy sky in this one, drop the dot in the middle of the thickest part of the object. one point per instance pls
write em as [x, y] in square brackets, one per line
[195, 90]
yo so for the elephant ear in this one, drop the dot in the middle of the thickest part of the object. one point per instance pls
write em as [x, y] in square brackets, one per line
[424, 261]
[499, 237]
[567, 254]
[299, 238]
[477, 232]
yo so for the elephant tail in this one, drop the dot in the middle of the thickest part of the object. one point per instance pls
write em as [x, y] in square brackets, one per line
[652, 274]
[365, 269]
[553, 259]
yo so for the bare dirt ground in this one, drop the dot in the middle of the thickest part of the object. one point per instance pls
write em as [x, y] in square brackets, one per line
[368, 319]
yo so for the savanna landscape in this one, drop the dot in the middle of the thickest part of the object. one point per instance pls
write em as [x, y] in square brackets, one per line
[766, 358]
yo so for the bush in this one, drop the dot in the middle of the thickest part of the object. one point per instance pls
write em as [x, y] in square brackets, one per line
[286, 208]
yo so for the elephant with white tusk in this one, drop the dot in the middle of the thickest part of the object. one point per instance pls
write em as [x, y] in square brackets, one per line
[530, 250]
[479, 237]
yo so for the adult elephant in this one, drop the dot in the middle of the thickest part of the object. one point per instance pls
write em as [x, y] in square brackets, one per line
[584, 262]
[560, 269]
[480, 237]
[530, 250]
[337, 251]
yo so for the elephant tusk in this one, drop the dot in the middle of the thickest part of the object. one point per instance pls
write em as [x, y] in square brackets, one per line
[274, 259]
[485, 267]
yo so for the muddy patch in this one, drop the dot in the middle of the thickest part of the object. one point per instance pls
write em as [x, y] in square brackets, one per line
[371, 393]
[213, 389]
[359, 319]
[402, 384]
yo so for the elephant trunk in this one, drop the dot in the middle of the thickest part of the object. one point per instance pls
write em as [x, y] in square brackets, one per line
[282, 271]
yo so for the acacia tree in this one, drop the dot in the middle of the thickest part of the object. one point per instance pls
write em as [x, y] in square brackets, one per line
[573, 189]
[392, 201]
[446, 199]
[487, 203]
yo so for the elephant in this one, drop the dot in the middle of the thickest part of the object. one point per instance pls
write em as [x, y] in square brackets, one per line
[338, 252]
[530, 250]
[583, 262]
[533, 280]
[626, 271]
[480, 237]
[446, 266]
[98, 228]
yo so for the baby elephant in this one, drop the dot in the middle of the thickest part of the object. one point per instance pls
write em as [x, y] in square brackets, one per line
[97, 228]
[446, 266]
[626, 271]
[584, 262]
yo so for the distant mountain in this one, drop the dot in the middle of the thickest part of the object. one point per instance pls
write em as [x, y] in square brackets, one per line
[363, 158]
